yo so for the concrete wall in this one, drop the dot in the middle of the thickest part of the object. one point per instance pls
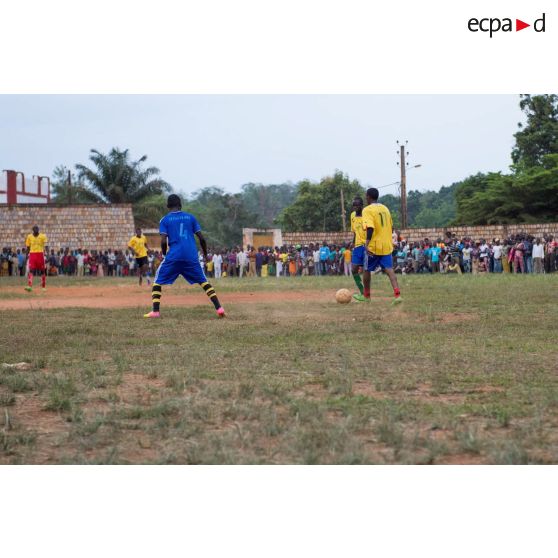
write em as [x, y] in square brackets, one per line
[92, 227]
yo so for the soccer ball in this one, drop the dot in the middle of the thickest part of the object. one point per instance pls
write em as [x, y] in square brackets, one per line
[343, 296]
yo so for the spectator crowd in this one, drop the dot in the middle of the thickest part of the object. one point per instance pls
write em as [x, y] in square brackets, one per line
[516, 254]
[99, 263]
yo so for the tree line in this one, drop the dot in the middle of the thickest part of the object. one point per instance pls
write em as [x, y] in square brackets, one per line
[528, 193]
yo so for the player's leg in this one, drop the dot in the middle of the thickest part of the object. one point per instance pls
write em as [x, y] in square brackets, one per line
[357, 264]
[156, 293]
[366, 279]
[34, 266]
[357, 267]
[386, 264]
[166, 275]
[369, 264]
[29, 280]
[210, 292]
[193, 273]
[356, 270]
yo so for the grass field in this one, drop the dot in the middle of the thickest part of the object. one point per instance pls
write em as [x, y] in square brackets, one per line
[464, 371]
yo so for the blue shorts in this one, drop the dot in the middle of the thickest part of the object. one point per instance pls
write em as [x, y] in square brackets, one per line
[168, 272]
[372, 262]
[357, 257]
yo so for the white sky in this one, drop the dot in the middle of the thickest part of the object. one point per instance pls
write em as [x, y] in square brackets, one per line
[229, 140]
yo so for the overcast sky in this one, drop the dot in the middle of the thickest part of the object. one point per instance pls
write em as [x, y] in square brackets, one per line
[228, 140]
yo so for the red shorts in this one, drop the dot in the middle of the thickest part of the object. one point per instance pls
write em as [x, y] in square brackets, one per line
[36, 261]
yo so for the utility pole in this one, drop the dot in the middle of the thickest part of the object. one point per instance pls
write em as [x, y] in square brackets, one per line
[403, 188]
[343, 216]
[70, 187]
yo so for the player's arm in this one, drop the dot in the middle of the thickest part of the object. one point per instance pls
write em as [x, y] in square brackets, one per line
[369, 234]
[164, 243]
[203, 244]
[132, 246]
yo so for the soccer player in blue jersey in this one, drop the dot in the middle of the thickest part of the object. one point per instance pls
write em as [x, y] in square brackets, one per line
[178, 231]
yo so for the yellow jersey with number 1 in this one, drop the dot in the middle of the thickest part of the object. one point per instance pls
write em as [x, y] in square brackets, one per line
[378, 217]
[356, 227]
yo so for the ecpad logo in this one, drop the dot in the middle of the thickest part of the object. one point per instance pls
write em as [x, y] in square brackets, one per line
[493, 25]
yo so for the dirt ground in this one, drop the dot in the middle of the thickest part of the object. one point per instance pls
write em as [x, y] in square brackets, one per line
[126, 296]
[289, 377]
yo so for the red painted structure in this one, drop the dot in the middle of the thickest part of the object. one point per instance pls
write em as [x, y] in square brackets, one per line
[14, 188]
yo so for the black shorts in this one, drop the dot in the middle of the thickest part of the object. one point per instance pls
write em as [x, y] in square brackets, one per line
[141, 261]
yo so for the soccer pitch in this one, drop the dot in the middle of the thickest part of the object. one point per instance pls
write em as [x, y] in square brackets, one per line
[463, 371]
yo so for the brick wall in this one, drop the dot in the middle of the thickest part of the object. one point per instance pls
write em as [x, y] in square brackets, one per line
[488, 232]
[75, 226]
[306, 238]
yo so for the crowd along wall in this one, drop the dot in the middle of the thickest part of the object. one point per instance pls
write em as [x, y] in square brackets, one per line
[92, 227]
[416, 234]
[487, 232]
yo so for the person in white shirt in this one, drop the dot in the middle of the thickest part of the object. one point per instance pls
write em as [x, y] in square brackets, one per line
[278, 264]
[317, 260]
[79, 260]
[484, 252]
[241, 260]
[131, 262]
[217, 264]
[497, 256]
[111, 260]
[467, 258]
[538, 256]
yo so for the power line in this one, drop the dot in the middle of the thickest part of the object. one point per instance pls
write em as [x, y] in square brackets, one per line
[397, 181]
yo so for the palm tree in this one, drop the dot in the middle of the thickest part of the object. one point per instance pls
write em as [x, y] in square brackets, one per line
[115, 178]
[68, 191]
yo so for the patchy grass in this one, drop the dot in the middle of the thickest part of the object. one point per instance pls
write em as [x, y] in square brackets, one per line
[464, 371]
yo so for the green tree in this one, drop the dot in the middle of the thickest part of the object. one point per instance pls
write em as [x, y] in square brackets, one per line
[539, 136]
[424, 209]
[267, 201]
[221, 215]
[148, 211]
[436, 209]
[393, 203]
[116, 178]
[524, 197]
[317, 206]
[62, 192]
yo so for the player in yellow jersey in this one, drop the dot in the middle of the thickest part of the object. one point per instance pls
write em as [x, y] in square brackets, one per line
[36, 244]
[377, 223]
[138, 243]
[359, 240]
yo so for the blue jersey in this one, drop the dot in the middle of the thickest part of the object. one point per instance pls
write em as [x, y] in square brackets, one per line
[180, 227]
[324, 253]
[435, 253]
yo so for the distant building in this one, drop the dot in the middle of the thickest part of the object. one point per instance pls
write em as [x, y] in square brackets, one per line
[268, 238]
[16, 188]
